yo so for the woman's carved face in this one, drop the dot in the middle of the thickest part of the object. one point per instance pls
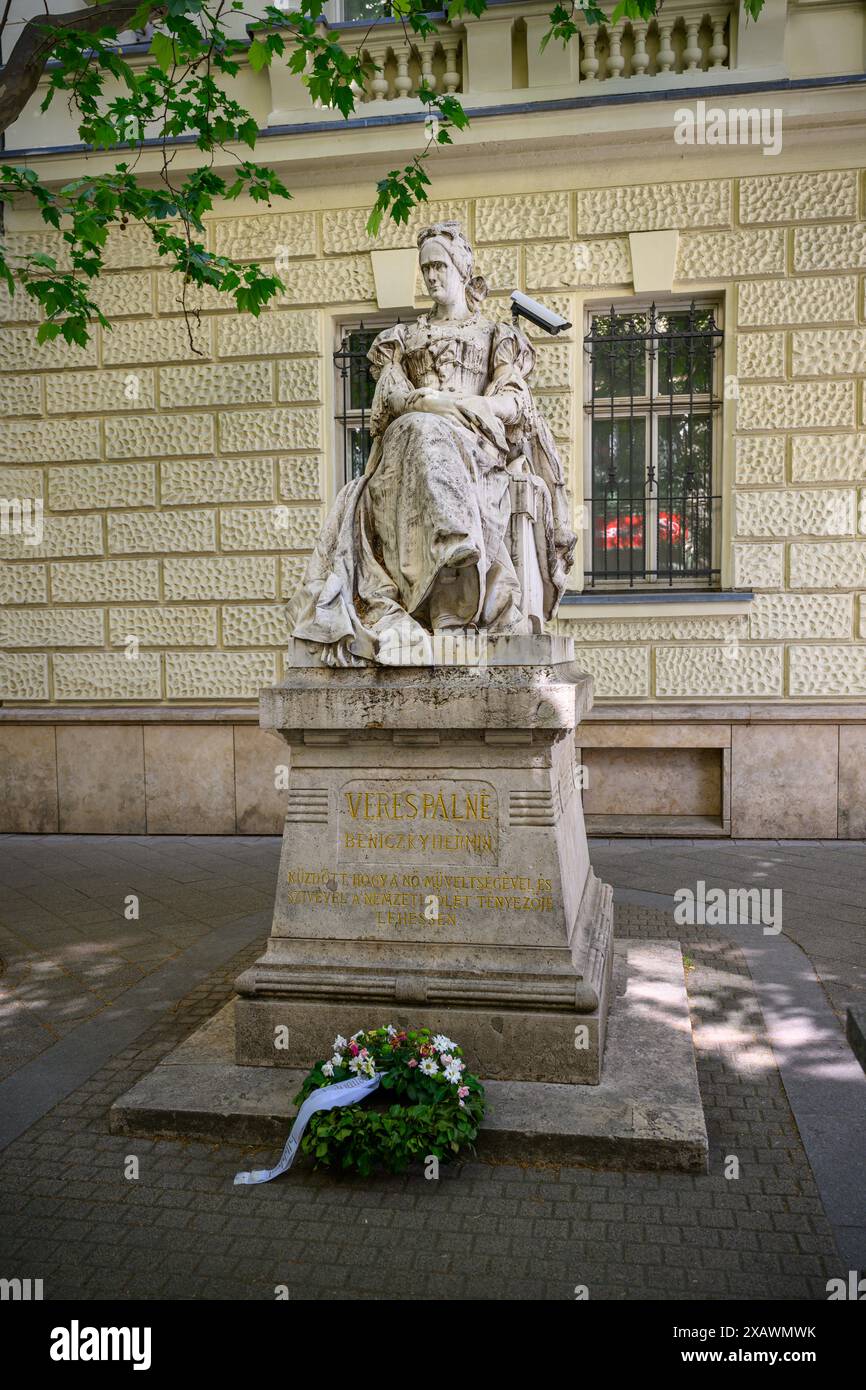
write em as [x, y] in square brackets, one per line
[441, 275]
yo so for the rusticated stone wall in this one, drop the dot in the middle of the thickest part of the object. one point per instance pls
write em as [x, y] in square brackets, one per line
[182, 489]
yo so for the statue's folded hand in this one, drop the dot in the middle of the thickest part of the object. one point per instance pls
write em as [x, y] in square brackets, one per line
[435, 403]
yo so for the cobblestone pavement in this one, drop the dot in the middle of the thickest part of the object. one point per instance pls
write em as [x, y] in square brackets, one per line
[180, 1230]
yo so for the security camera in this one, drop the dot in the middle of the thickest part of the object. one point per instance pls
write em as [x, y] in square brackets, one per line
[542, 317]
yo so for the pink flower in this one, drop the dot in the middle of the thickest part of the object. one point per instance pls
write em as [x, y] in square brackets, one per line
[354, 1048]
[413, 1061]
[462, 1091]
[446, 1057]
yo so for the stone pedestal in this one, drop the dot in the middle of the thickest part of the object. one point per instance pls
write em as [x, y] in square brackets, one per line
[434, 866]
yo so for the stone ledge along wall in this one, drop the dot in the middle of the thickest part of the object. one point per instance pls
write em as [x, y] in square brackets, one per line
[182, 492]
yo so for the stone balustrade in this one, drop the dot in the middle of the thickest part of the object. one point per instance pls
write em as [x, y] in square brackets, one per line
[500, 52]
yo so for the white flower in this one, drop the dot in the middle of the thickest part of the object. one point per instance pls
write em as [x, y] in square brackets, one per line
[336, 1060]
[327, 1068]
[359, 1034]
[339, 1043]
[362, 1066]
[430, 1067]
[391, 1030]
[452, 1072]
[443, 1044]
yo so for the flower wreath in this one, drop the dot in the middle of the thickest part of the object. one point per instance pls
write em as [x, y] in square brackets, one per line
[436, 1105]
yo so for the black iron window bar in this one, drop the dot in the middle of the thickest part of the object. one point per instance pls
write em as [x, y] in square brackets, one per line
[355, 387]
[653, 422]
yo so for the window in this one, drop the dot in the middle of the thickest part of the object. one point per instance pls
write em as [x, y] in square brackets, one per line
[354, 387]
[653, 424]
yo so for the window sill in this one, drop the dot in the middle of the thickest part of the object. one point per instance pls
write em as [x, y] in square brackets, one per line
[715, 603]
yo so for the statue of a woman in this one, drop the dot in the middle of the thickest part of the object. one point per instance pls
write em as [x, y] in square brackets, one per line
[460, 520]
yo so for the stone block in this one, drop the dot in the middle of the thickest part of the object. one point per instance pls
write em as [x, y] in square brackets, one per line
[797, 406]
[152, 436]
[107, 676]
[799, 197]
[183, 625]
[792, 512]
[254, 625]
[270, 430]
[100, 779]
[155, 340]
[49, 441]
[828, 457]
[261, 760]
[840, 246]
[106, 581]
[852, 782]
[217, 675]
[345, 229]
[23, 676]
[300, 478]
[90, 392]
[244, 577]
[759, 566]
[734, 669]
[831, 565]
[234, 383]
[52, 627]
[784, 782]
[299, 379]
[340, 280]
[189, 779]
[61, 536]
[160, 532]
[272, 334]
[652, 781]
[760, 355]
[731, 255]
[270, 528]
[28, 779]
[618, 673]
[776, 616]
[647, 207]
[585, 264]
[266, 236]
[828, 352]
[23, 584]
[817, 672]
[217, 480]
[523, 217]
[79, 487]
[809, 299]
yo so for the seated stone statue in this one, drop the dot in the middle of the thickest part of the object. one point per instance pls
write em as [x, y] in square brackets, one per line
[460, 522]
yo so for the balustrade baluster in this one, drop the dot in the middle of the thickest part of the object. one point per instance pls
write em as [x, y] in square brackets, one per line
[640, 57]
[589, 62]
[692, 54]
[719, 50]
[615, 59]
[666, 56]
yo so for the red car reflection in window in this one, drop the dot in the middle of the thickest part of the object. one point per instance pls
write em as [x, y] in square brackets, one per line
[626, 532]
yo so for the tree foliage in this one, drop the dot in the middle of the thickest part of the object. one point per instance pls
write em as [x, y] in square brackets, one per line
[181, 95]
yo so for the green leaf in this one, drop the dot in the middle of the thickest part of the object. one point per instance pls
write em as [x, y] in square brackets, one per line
[259, 55]
[162, 48]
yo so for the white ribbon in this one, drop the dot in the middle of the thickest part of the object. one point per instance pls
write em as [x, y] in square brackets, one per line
[324, 1098]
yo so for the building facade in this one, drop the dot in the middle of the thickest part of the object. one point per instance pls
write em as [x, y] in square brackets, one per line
[690, 195]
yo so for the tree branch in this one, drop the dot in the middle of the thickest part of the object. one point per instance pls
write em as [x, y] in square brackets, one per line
[20, 77]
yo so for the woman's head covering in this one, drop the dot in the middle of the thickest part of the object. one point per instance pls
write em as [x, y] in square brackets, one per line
[450, 237]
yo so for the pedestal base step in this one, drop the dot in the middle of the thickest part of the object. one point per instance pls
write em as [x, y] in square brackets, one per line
[645, 1114]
